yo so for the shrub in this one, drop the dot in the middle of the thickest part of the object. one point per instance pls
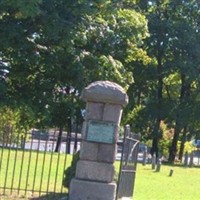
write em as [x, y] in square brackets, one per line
[69, 173]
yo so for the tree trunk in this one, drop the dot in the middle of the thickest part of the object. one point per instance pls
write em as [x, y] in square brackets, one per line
[154, 149]
[173, 148]
[23, 141]
[156, 134]
[184, 92]
[69, 133]
[76, 139]
[59, 140]
[182, 144]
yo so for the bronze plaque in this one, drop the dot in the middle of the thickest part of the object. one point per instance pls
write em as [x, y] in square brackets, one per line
[102, 132]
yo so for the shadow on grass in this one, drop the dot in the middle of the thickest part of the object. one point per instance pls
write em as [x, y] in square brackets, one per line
[53, 196]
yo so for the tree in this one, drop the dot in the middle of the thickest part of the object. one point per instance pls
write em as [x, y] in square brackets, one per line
[157, 96]
[185, 34]
[56, 48]
[14, 126]
[149, 90]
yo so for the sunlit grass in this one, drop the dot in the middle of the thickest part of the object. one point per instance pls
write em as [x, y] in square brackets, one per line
[182, 185]
[33, 171]
[149, 185]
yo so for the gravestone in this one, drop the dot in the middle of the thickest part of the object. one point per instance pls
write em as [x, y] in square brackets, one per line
[95, 169]
[158, 165]
[171, 172]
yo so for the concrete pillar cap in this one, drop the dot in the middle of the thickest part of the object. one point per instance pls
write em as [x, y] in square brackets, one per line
[106, 92]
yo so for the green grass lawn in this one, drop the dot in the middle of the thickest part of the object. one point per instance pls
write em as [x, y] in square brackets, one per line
[149, 185]
[183, 185]
[33, 173]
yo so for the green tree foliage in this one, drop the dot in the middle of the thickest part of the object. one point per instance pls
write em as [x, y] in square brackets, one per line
[50, 50]
[55, 48]
[185, 34]
[14, 126]
[170, 89]
[68, 45]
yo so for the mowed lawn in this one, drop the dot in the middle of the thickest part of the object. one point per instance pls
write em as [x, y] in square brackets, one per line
[184, 184]
[149, 185]
[32, 171]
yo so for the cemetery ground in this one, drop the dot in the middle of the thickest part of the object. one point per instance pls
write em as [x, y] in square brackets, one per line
[182, 185]
[151, 185]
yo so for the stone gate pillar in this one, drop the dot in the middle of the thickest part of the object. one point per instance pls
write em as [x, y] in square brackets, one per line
[95, 169]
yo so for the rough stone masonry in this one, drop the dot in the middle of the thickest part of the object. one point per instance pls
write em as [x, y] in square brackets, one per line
[95, 169]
